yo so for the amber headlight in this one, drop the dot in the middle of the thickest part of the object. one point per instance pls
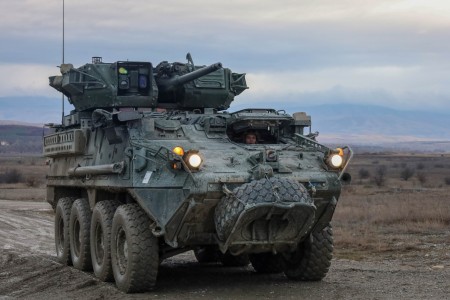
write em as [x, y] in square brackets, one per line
[178, 150]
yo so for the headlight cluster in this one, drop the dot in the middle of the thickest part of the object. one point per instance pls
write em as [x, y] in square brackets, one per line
[192, 159]
[335, 158]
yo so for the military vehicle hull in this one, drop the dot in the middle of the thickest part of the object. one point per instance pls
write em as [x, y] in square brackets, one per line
[132, 186]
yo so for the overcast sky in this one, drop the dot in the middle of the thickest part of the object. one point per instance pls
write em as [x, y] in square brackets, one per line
[393, 53]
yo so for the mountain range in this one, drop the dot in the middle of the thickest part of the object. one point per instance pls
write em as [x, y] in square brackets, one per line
[355, 124]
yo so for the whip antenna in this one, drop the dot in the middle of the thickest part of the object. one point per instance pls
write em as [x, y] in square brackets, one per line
[62, 98]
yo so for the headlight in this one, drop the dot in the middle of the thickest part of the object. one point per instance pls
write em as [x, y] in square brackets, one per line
[336, 158]
[194, 161]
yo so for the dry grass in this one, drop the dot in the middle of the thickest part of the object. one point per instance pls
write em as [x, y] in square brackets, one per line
[400, 216]
[31, 185]
[30, 171]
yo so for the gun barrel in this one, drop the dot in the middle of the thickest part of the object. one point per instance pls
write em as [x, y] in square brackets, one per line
[168, 84]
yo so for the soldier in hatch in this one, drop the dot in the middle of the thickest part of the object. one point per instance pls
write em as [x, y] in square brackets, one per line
[250, 137]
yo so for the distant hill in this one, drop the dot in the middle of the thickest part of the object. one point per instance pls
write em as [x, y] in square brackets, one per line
[19, 139]
[380, 123]
[34, 110]
[368, 125]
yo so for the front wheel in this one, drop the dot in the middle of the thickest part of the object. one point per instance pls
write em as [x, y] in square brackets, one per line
[134, 250]
[312, 259]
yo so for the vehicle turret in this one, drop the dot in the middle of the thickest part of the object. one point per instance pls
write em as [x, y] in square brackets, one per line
[138, 85]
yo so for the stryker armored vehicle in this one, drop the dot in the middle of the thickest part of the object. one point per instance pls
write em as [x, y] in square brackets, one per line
[149, 165]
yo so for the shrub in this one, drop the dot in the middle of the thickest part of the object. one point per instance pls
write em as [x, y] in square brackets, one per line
[422, 177]
[364, 173]
[420, 166]
[32, 181]
[11, 176]
[406, 173]
[447, 180]
[380, 174]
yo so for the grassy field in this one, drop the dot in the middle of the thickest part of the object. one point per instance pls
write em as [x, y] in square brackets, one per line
[406, 212]
[398, 205]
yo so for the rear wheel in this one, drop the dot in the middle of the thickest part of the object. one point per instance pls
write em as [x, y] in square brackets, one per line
[80, 226]
[134, 250]
[62, 219]
[101, 224]
[267, 262]
[312, 259]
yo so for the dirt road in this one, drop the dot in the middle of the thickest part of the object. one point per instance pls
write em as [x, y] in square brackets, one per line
[28, 269]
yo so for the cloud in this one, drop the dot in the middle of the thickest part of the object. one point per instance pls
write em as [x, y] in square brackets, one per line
[390, 51]
[26, 80]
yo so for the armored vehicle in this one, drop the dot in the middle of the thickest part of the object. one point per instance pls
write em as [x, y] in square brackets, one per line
[149, 164]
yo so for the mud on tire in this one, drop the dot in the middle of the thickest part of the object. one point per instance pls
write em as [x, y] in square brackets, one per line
[80, 225]
[62, 240]
[101, 225]
[134, 250]
[259, 191]
[312, 259]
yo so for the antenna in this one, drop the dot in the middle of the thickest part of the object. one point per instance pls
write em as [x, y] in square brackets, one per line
[62, 99]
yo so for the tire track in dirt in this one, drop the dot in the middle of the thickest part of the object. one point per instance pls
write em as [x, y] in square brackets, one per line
[29, 270]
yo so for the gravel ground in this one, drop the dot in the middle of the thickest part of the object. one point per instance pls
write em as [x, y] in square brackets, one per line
[29, 270]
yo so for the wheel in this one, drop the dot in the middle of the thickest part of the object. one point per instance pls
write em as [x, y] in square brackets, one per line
[229, 260]
[101, 224]
[312, 259]
[264, 190]
[267, 262]
[134, 250]
[80, 226]
[62, 219]
[207, 254]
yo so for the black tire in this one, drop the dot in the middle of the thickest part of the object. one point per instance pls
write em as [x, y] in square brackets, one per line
[134, 250]
[62, 240]
[312, 259]
[207, 254]
[101, 225]
[80, 227]
[259, 191]
[229, 260]
[267, 263]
